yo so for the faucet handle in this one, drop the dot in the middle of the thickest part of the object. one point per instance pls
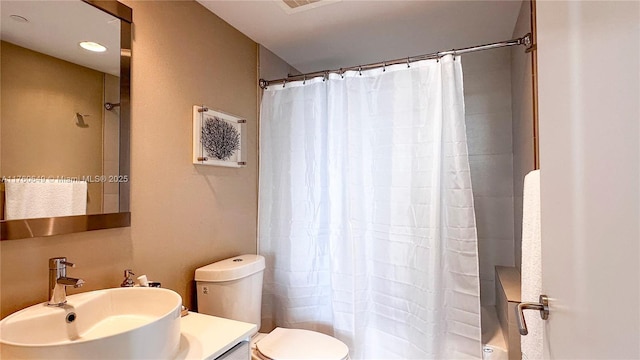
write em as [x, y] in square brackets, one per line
[59, 262]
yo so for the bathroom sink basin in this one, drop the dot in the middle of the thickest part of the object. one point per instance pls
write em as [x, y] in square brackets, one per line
[121, 323]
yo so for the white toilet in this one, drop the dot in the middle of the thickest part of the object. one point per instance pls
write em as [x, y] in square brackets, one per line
[232, 289]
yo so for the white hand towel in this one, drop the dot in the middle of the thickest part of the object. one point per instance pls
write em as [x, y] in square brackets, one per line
[47, 198]
[531, 265]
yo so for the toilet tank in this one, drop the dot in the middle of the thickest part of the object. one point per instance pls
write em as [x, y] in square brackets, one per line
[231, 288]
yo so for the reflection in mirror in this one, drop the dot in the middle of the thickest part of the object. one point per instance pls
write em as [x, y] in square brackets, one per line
[63, 123]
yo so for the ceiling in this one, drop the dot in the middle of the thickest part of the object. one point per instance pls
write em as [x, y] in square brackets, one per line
[56, 28]
[346, 33]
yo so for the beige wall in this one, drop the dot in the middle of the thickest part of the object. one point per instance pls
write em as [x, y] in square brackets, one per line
[40, 98]
[183, 216]
[522, 110]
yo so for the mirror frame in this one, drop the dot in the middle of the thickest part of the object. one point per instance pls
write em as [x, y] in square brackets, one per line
[31, 228]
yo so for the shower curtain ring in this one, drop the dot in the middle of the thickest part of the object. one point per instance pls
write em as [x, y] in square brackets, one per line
[384, 66]
[408, 63]
[304, 79]
[360, 70]
[341, 73]
[284, 83]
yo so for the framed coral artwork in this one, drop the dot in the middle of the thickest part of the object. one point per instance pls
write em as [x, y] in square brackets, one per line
[217, 138]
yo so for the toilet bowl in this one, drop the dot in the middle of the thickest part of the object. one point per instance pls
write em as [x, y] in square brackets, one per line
[232, 289]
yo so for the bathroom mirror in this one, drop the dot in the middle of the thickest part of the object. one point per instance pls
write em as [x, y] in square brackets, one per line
[65, 116]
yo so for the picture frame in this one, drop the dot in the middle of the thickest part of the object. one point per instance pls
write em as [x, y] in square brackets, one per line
[217, 138]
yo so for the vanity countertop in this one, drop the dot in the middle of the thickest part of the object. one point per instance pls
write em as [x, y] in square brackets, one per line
[207, 337]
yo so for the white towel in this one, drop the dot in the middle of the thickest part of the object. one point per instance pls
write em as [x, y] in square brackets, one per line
[46, 198]
[531, 344]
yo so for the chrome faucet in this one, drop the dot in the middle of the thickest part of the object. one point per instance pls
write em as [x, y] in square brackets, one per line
[128, 282]
[58, 281]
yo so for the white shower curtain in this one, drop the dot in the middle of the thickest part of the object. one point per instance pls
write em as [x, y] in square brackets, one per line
[366, 212]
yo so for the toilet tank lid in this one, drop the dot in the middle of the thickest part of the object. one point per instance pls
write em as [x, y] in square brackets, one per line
[231, 269]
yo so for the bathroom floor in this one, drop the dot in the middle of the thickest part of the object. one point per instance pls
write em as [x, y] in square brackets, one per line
[494, 346]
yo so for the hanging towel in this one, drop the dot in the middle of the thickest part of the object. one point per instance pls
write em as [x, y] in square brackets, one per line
[531, 344]
[46, 198]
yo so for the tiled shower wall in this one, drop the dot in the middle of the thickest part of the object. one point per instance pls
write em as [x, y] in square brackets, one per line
[522, 96]
[487, 91]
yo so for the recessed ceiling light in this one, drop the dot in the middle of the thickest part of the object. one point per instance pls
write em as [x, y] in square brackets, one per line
[92, 46]
[19, 18]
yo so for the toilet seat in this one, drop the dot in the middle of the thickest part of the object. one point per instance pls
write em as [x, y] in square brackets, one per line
[298, 344]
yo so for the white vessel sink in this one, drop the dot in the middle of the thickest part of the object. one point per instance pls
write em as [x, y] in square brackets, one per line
[121, 323]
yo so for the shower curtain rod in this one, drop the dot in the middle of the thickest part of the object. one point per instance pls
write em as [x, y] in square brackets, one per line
[525, 40]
